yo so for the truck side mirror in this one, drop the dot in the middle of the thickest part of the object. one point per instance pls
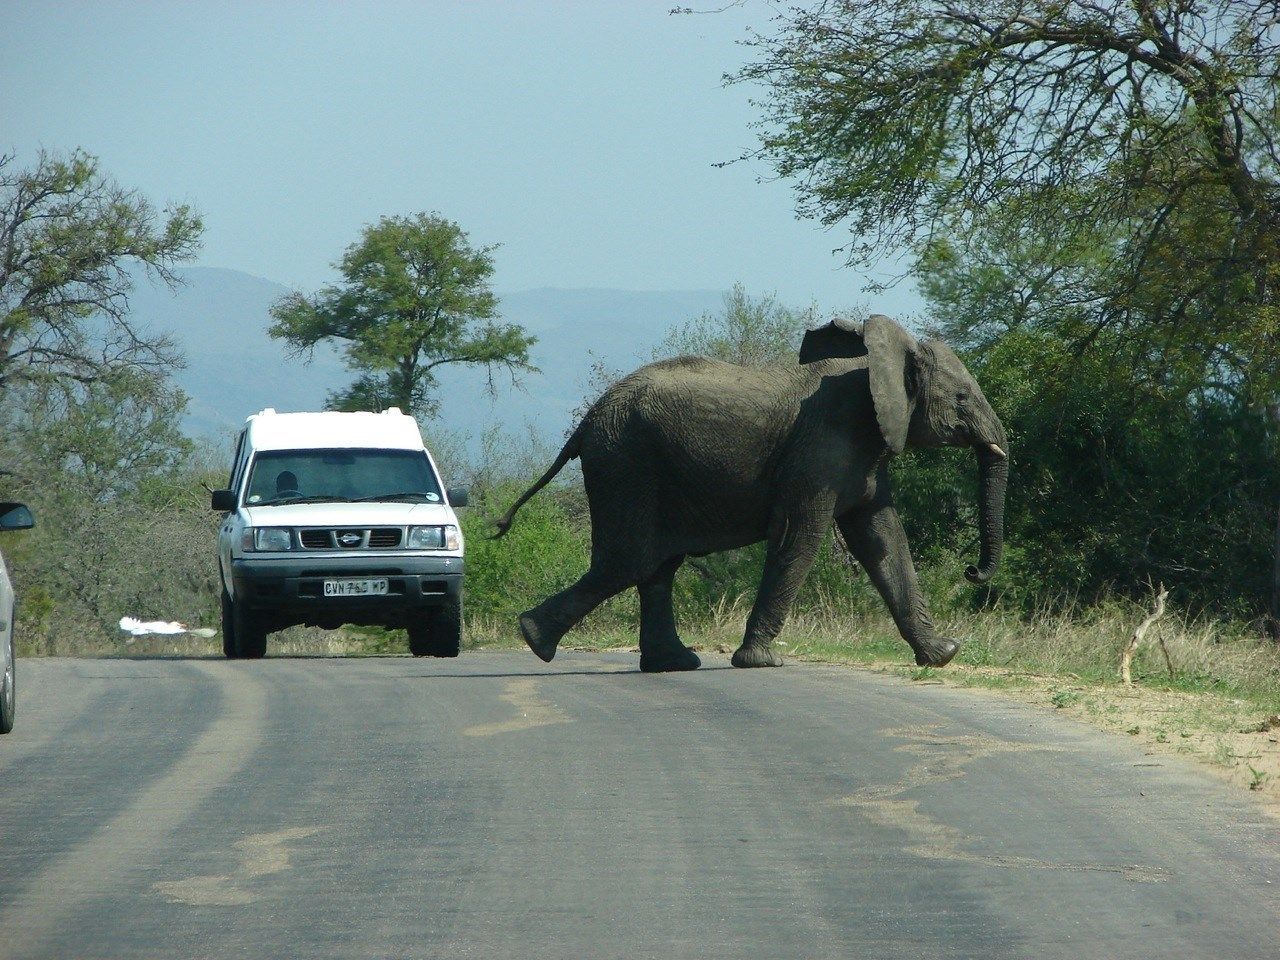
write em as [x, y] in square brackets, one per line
[458, 497]
[224, 501]
[15, 516]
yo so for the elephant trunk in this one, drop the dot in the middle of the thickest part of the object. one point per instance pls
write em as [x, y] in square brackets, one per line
[993, 477]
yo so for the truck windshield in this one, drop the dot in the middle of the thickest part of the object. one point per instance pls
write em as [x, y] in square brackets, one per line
[346, 475]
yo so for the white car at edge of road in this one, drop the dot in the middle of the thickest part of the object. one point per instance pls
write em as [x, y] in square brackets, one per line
[13, 516]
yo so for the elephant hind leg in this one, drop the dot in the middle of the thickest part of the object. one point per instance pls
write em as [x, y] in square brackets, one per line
[624, 515]
[661, 650]
[793, 545]
[543, 626]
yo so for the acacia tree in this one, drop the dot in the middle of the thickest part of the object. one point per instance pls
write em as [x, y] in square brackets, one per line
[908, 119]
[415, 297]
[1134, 141]
[69, 238]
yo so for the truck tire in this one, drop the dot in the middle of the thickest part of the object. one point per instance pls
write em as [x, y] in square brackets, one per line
[439, 633]
[243, 635]
[228, 628]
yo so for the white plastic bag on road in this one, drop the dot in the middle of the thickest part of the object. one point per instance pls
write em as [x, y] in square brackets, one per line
[142, 628]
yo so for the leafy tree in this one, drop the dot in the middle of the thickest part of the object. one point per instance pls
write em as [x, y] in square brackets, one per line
[116, 488]
[1154, 122]
[414, 297]
[112, 437]
[69, 237]
[1137, 458]
[1117, 480]
[752, 331]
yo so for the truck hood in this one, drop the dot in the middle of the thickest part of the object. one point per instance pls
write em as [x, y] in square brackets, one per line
[348, 515]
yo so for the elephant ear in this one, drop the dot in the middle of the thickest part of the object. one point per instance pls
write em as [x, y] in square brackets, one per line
[841, 337]
[892, 354]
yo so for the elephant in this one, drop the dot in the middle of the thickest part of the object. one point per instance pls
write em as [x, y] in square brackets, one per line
[692, 456]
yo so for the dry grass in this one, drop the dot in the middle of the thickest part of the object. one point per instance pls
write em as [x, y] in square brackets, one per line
[1085, 644]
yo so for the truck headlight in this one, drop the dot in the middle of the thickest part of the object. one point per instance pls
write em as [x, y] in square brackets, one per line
[434, 538]
[272, 538]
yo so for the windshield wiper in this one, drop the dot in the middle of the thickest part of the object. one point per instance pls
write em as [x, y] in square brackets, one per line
[299, 498]
[404, 495]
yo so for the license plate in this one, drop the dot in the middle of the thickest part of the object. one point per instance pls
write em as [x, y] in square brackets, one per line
[355, 588]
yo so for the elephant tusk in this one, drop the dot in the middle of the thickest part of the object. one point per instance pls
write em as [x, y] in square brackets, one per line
[995, 448]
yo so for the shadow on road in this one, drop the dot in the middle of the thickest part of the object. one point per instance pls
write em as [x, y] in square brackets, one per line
[489, 675]
[538, 673]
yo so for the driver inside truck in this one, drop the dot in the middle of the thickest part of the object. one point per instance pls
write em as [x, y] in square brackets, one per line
[286, 482]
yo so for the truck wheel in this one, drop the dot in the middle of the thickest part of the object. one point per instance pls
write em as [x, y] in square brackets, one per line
[439, 633]
[228, 628]
[243, 635]
[8, 690]
[251, 635]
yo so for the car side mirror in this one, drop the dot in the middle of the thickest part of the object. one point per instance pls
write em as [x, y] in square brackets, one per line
[16, 516]
[223, 501]
[458, 497]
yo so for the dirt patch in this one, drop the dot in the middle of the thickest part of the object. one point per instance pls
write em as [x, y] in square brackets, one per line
[261, 854]
[944, 758]
[1233, 738]
[531, 711]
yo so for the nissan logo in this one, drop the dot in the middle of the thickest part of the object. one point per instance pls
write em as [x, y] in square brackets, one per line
[349, 539]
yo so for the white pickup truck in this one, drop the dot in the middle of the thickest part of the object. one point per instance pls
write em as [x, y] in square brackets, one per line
[336, 518]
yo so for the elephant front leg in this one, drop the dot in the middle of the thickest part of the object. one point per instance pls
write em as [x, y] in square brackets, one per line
[661, 650]
[792, 549]
[876, 537]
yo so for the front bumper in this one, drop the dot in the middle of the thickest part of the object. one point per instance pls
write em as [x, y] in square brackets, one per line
[294, 586]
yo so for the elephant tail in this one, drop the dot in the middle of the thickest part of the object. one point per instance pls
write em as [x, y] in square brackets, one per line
[569, 451]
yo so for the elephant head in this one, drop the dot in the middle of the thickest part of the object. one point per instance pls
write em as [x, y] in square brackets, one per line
[924, 396]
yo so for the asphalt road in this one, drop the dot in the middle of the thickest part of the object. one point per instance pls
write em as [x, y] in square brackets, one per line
[494, 807]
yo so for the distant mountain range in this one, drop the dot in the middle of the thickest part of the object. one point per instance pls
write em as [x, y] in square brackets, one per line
[219, 318]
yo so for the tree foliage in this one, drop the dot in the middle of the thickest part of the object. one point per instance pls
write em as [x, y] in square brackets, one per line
[111, 436]
[1092, 192]
[1117, 480]
[1143, 133]
[115, 487]
[414, 297]
[69, 239]
[751, 331]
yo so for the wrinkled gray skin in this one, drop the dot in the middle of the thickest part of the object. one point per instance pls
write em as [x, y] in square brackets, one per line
[691, 456]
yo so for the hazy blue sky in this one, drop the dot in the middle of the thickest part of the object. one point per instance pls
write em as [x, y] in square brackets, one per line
[582, 136]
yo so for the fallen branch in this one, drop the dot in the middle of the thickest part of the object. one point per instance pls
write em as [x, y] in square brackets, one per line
[1135, 641]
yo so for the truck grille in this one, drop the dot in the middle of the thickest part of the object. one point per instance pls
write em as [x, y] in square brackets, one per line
[382, 537]
[316, 539]
[378, 538]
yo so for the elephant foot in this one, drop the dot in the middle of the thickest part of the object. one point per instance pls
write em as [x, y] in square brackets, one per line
[937, 653]
[538, 637]
[669, 660]
[756, 655]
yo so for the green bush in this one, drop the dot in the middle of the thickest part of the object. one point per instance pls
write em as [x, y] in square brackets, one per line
[546, 549]
[1113, 483]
